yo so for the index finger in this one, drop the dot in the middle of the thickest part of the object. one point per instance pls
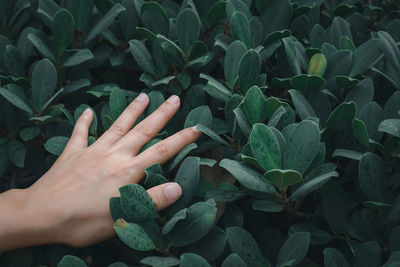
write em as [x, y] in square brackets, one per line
[167, 148]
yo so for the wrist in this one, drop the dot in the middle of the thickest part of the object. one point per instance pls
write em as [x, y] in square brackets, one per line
[23, 225]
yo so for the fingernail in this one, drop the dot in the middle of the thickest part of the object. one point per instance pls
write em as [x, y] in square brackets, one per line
[172, 191]
[174, 99]
[86, 112]
[194, 128]
[141, 97]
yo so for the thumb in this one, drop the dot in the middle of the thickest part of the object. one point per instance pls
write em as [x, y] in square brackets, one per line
[164, 195]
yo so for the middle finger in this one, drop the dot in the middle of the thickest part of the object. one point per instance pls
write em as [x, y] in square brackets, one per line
[144, 131]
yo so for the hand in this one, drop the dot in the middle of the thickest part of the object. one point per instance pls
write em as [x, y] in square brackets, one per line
[70, 203]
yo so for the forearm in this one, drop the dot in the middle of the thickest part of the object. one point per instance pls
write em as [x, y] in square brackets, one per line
[19, 225]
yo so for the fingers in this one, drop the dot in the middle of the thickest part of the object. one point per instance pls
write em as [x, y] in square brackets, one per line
[165, 194]
[166, 149]
[125, 121]
[79, 137]
[149, 127]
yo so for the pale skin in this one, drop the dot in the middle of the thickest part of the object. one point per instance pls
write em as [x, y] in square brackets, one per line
[69, 204]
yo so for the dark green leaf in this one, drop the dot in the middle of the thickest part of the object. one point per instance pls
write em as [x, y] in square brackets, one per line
[133, 235]
[56, 145]
[137, 203]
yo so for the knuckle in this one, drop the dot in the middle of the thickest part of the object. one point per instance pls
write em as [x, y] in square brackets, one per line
[144, 130]
[117, 129]
[161, 149]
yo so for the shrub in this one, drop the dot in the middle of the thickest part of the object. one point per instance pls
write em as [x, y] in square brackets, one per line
[299, 101]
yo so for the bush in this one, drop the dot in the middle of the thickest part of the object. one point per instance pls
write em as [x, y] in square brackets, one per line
[299, 101]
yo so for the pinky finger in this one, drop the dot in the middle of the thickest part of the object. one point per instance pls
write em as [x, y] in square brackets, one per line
[79, 137]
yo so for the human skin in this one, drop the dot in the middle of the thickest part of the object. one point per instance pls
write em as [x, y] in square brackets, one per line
[69, 203]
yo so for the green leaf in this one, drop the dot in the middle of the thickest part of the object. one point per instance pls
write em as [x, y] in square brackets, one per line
[347, 43]
[216, 89]
[211, 134]
[44, 82]
[79, 57]
[156, 261]
[295, 248]
[225, 192]
[242, 243]
[16, 153]
[16, 101]
[283, 178]
[302, 146]
[56, 145]
[42, 44]
[276, 15]
[71, 261]
[29, 133]
[390, 126]
[200, 218]
[233, 6]
[233, 54]
[142, 56]
[392, 54]
[115, 209]
[117, 102]
[240, 28]
[201, 115]
[347, 154]
[249, 69]
[180, 215]
[360, 131]
[265, 147]
[305, 82]
[63, 29]
[365, 56]
[371, 176]
[313, 185]
[345, 111]
[216, 12]
[187, 177]
[254, 105]
[181, 155]
[14, 61]
[81, 10]
[187, 29]
[334, 258]
[137, 203]
[191, 259]
[267, 206]
[317, 236]
[104, 22]
[246, 176]
[301, 104]
[133, 236]
[233, 260]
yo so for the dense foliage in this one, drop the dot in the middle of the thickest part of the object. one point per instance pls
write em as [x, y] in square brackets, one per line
[299, 103]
